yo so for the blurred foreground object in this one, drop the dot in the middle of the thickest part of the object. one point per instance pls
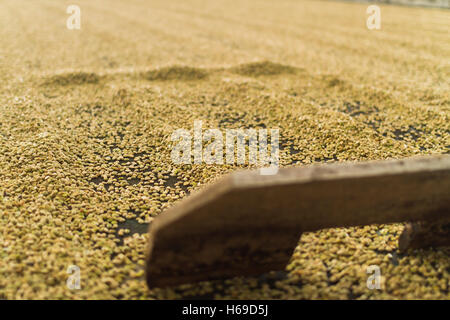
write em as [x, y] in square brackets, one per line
[425, 234]
[247, 223]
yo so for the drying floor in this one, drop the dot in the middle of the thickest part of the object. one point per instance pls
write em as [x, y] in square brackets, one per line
[86, 118]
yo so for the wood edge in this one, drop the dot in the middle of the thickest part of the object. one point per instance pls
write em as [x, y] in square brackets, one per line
[344, 170]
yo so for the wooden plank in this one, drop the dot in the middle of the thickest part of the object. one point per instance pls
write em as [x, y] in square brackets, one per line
[249, 223]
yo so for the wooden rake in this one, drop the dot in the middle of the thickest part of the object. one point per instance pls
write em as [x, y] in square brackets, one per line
[248, 223]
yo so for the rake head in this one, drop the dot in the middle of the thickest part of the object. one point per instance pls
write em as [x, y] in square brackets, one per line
[248, 224]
